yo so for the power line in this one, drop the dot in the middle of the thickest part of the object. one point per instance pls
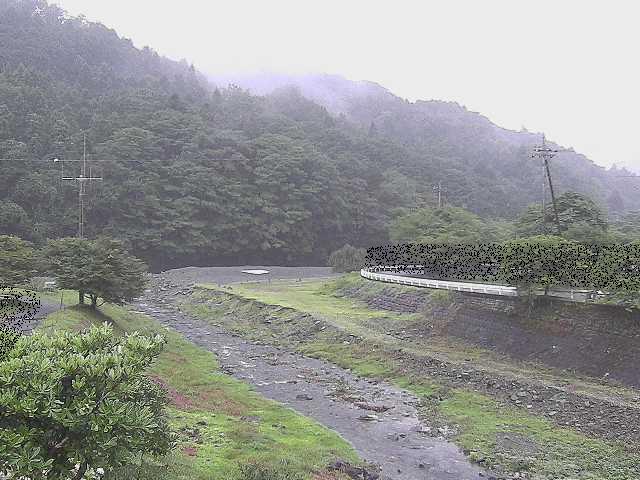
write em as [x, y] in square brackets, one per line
[24, 160]
[48, 160]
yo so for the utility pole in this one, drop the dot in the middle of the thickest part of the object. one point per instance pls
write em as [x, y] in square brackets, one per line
[544, 196]
[546, 153]
[439, 189]
[82, 181]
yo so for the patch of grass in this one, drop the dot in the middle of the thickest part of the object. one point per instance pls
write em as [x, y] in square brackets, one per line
[74, 318]
[349, 356]
[368, 362]
[68, 297]
[353, 281]
[421, 387]
[310, 297]
[221, 422]
[441, 297]
[348, 281]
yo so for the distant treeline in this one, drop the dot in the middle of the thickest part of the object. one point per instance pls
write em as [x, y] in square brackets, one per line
[536, 262]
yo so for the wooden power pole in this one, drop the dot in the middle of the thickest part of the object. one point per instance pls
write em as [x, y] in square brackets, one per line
[546, 153]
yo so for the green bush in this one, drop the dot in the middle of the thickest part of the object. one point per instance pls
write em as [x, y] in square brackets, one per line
[70, 403]
[347, 259]
[8, 339]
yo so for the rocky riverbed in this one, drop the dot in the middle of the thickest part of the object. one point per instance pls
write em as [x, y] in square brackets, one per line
[602, 415]
[379, 420]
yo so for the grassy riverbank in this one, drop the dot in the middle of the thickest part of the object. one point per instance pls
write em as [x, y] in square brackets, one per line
[221, 422]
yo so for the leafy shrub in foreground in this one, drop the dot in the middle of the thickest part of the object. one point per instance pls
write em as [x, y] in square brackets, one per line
[79, 399]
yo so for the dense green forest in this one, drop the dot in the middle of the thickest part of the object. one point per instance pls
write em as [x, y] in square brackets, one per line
[200, 175]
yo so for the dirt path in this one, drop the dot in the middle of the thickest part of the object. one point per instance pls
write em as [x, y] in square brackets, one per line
[26, 326]
[379, 420]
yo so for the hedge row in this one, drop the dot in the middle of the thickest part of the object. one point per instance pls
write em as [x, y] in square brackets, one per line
[546, 263]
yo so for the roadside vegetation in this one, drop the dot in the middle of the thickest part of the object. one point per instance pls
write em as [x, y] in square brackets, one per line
[347, 259]
[491, 432]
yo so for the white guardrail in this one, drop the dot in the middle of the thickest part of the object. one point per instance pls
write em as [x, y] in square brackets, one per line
[566, 294]
[485, 288]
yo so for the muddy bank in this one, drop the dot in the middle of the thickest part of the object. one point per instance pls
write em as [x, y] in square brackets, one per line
[595, 340]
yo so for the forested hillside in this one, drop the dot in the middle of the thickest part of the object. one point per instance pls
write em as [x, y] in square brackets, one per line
[484, 167]
[198, 175]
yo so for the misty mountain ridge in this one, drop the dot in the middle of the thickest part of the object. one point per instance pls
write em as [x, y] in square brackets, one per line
[333, 92]
[365, 101]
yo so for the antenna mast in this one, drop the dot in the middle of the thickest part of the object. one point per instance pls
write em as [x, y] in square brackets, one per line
[82, 181]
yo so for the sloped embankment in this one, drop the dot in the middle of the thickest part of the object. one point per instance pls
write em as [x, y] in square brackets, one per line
[595, 340]
[292, 329]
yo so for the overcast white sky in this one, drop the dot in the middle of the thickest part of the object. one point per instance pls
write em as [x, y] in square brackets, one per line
[570, 68]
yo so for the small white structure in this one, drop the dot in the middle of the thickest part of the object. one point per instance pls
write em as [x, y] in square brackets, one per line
[43, 283]
[256, 272]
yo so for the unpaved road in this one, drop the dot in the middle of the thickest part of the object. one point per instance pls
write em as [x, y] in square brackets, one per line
[26, 326]
[394, 439]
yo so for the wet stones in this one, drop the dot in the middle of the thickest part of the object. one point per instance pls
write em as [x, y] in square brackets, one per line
[360, 473]
[373, 408]
[368, 418]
